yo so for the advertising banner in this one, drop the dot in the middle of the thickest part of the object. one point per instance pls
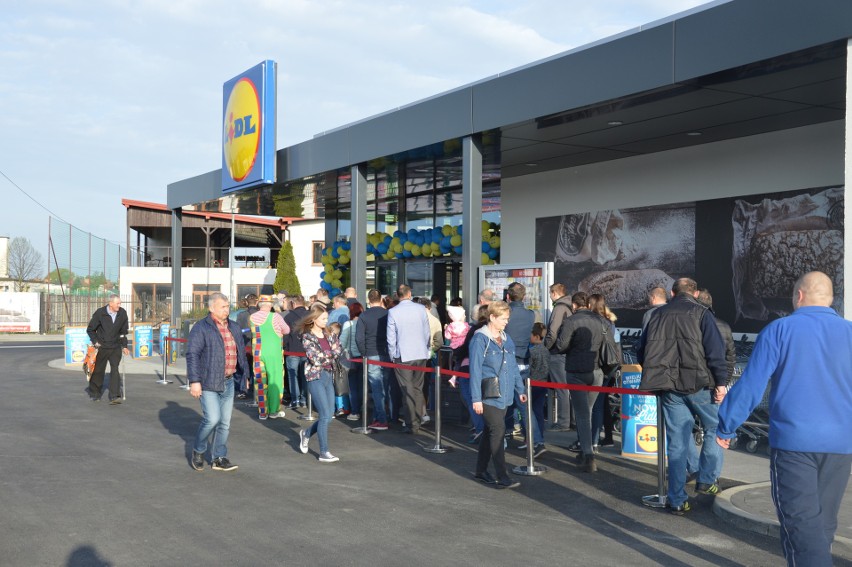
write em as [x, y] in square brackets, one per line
[164, 332]
[19, 312]
[173, 346]
[76, 343]
[638, 418]
[142, 341]
[536, 278]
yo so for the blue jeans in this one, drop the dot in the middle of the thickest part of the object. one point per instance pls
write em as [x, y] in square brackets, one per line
[216, 408]
[679, 410]
[379, 378]
[296, 378]
[476, 419]
[356, 387]
[322, 397]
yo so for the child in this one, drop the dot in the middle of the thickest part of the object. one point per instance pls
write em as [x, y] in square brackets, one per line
[341, 401]
[539, 371]
[456, 332]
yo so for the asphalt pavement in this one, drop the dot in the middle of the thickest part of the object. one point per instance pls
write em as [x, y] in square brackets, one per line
[86, 483]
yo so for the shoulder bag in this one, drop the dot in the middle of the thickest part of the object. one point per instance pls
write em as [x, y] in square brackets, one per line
[608, 357]
[491, 384]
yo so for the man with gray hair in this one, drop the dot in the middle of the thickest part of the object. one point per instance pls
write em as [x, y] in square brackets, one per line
[108, 332]
[807, 358]
[485, 297]
[215, 358]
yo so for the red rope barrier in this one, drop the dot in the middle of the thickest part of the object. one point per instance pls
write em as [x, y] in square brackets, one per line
[174, 339]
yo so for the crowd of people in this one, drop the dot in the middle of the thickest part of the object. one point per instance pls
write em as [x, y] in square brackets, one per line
[687, 356]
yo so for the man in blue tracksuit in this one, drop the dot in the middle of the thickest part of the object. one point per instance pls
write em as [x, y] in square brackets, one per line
[807, 356]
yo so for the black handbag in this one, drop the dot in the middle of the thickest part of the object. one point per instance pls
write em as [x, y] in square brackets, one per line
[491, 385]
[608, 354]
[341, 378]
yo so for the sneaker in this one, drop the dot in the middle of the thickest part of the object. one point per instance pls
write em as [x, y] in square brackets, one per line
[596, 449]
[223, 464]
[378, 426]
[508, 483]
[294, 405]
[575, 448]
[680, 510]
[341, 412]
[115, 401]
[425, 419]
[522, 447]
[711, 489]
[607, 443]
[327, 458]
[485, 478]
[303, 441]
[277, 414]
[539, 450]
[353, 417]
[302, 404]
[262, 417]
[197, 460]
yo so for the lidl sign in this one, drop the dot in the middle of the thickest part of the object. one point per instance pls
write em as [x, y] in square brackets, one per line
[248, 128]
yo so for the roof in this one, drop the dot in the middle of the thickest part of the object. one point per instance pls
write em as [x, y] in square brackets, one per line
[251, 220]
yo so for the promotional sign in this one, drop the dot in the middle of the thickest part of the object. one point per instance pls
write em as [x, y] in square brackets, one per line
[638, 417]
[19, 312]
[142, 341]
[173, 346]
[76, 343]
[248, 128]
[536, 278]
[164, 332]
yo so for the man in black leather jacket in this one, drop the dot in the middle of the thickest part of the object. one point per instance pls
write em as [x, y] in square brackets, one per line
[108, 332]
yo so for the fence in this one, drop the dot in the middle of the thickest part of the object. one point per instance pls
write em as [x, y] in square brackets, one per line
[75, 310]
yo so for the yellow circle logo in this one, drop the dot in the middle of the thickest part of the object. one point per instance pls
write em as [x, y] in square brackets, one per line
[78, 355]
[241, 137]
[143, 350]
[646, 438]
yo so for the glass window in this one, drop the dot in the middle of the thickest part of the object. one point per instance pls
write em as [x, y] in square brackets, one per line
[418, 275]
[419, 176]
[316, 252]
[150, 303]
[419, 211]
[387, 216]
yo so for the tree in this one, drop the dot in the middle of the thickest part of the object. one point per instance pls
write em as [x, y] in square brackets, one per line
[285, 277]
[25, 262]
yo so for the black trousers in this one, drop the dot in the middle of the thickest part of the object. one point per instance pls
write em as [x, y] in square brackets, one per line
[491, 442]
[96, 382]
[411, 384]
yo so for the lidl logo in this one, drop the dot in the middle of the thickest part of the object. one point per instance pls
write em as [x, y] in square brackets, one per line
[646, 438]
[241, 129]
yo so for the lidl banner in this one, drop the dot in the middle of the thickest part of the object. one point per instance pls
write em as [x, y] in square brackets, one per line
[142, 341]
[248, 128]
[76, 343]
[638, 417]
[164, 332]
[173, 346]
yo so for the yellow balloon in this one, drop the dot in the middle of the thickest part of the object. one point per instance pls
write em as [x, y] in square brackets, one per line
[494, 241]
[485, 258]
[338, 274]
[426, 251]
[397, 248]
[456, 240]
[344, 260]
[328, 278]
[485, 226]
[455, 230]
[337, 284]
[447, 230]
[415, 250]
[408, 245]
[436, 248]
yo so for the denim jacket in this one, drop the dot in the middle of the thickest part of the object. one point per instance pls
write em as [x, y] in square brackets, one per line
[205, 355]
[487, 359]
[316, 359]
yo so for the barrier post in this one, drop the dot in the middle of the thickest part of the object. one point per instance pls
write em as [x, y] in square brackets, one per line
[659, 500]
[310, 416]
[364, 430]
[529, 469]
[165, 364]
[437, 448]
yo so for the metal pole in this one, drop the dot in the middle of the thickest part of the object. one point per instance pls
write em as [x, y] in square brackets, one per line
[530, 469]
[659, 500]
[310, 416]
[437, 448]
[165, 366]
[364, 429]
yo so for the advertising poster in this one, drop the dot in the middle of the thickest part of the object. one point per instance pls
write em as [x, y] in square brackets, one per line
[142, 341]
[747, 251]
[164, 332]
[638, 418]
[536, 278]
[19, 312]
[76, 343]
[173, 348]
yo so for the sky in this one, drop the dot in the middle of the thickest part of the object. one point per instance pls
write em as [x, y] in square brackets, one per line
[110, 99]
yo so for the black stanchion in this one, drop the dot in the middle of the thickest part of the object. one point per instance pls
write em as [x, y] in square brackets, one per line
[444, 357]
[529, 469]
[364, 430]
[659, 500]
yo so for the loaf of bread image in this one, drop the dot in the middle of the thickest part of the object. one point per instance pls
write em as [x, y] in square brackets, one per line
[626, 289]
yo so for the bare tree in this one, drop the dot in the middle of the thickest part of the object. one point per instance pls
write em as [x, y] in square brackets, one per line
[25, 262]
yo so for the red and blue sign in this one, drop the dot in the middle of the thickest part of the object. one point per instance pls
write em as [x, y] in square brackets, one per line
[248, 128]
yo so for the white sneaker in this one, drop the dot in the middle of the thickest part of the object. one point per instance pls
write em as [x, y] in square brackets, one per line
[353, 417]
[426, 418]
[277, 414]
[328, 458]
[303, 441]
[262, 417]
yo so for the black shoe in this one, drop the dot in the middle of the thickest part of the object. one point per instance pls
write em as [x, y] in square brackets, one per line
[223, 464]
[575, 448]
[607, 443]
[485, 478]
[711, 489]
[508, 483]
[197, 460]
[680, 510]
[539, 450]
[115, 401]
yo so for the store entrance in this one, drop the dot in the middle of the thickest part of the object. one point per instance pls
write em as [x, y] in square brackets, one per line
[426, 278]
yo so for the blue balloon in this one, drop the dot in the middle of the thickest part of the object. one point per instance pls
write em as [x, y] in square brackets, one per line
[387, 239]
[427, 236]
[446, 241]
[493, 253]
[383, 248]
[335, 253]
[325, 285]
[445, 249]
[397, 233]
[347, 246]
[458, 250]
[403, 238]
[322, 274]
[334, 292]
[437, 233]
[412, 233]
[370, 248]
[485, 247]
[419, 241]
[407, 254]
[460, 229]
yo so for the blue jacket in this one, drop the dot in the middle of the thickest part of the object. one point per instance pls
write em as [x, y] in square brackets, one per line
[205, 355]
[519, 328]
[807, 356]
[487, 359]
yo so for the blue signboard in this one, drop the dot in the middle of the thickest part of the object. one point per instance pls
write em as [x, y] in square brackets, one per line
[142, 341]
[164, 332]
[248, 128]
[638, 417]
[76, 343]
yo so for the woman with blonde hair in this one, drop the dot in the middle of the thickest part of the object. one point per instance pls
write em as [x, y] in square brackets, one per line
[322, 351]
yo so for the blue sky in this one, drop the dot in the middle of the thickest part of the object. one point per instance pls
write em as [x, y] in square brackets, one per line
[111, 99]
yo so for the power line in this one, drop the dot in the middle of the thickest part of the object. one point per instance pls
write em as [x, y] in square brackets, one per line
[18, 187]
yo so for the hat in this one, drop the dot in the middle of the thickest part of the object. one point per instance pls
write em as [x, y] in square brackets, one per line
[264, 299]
